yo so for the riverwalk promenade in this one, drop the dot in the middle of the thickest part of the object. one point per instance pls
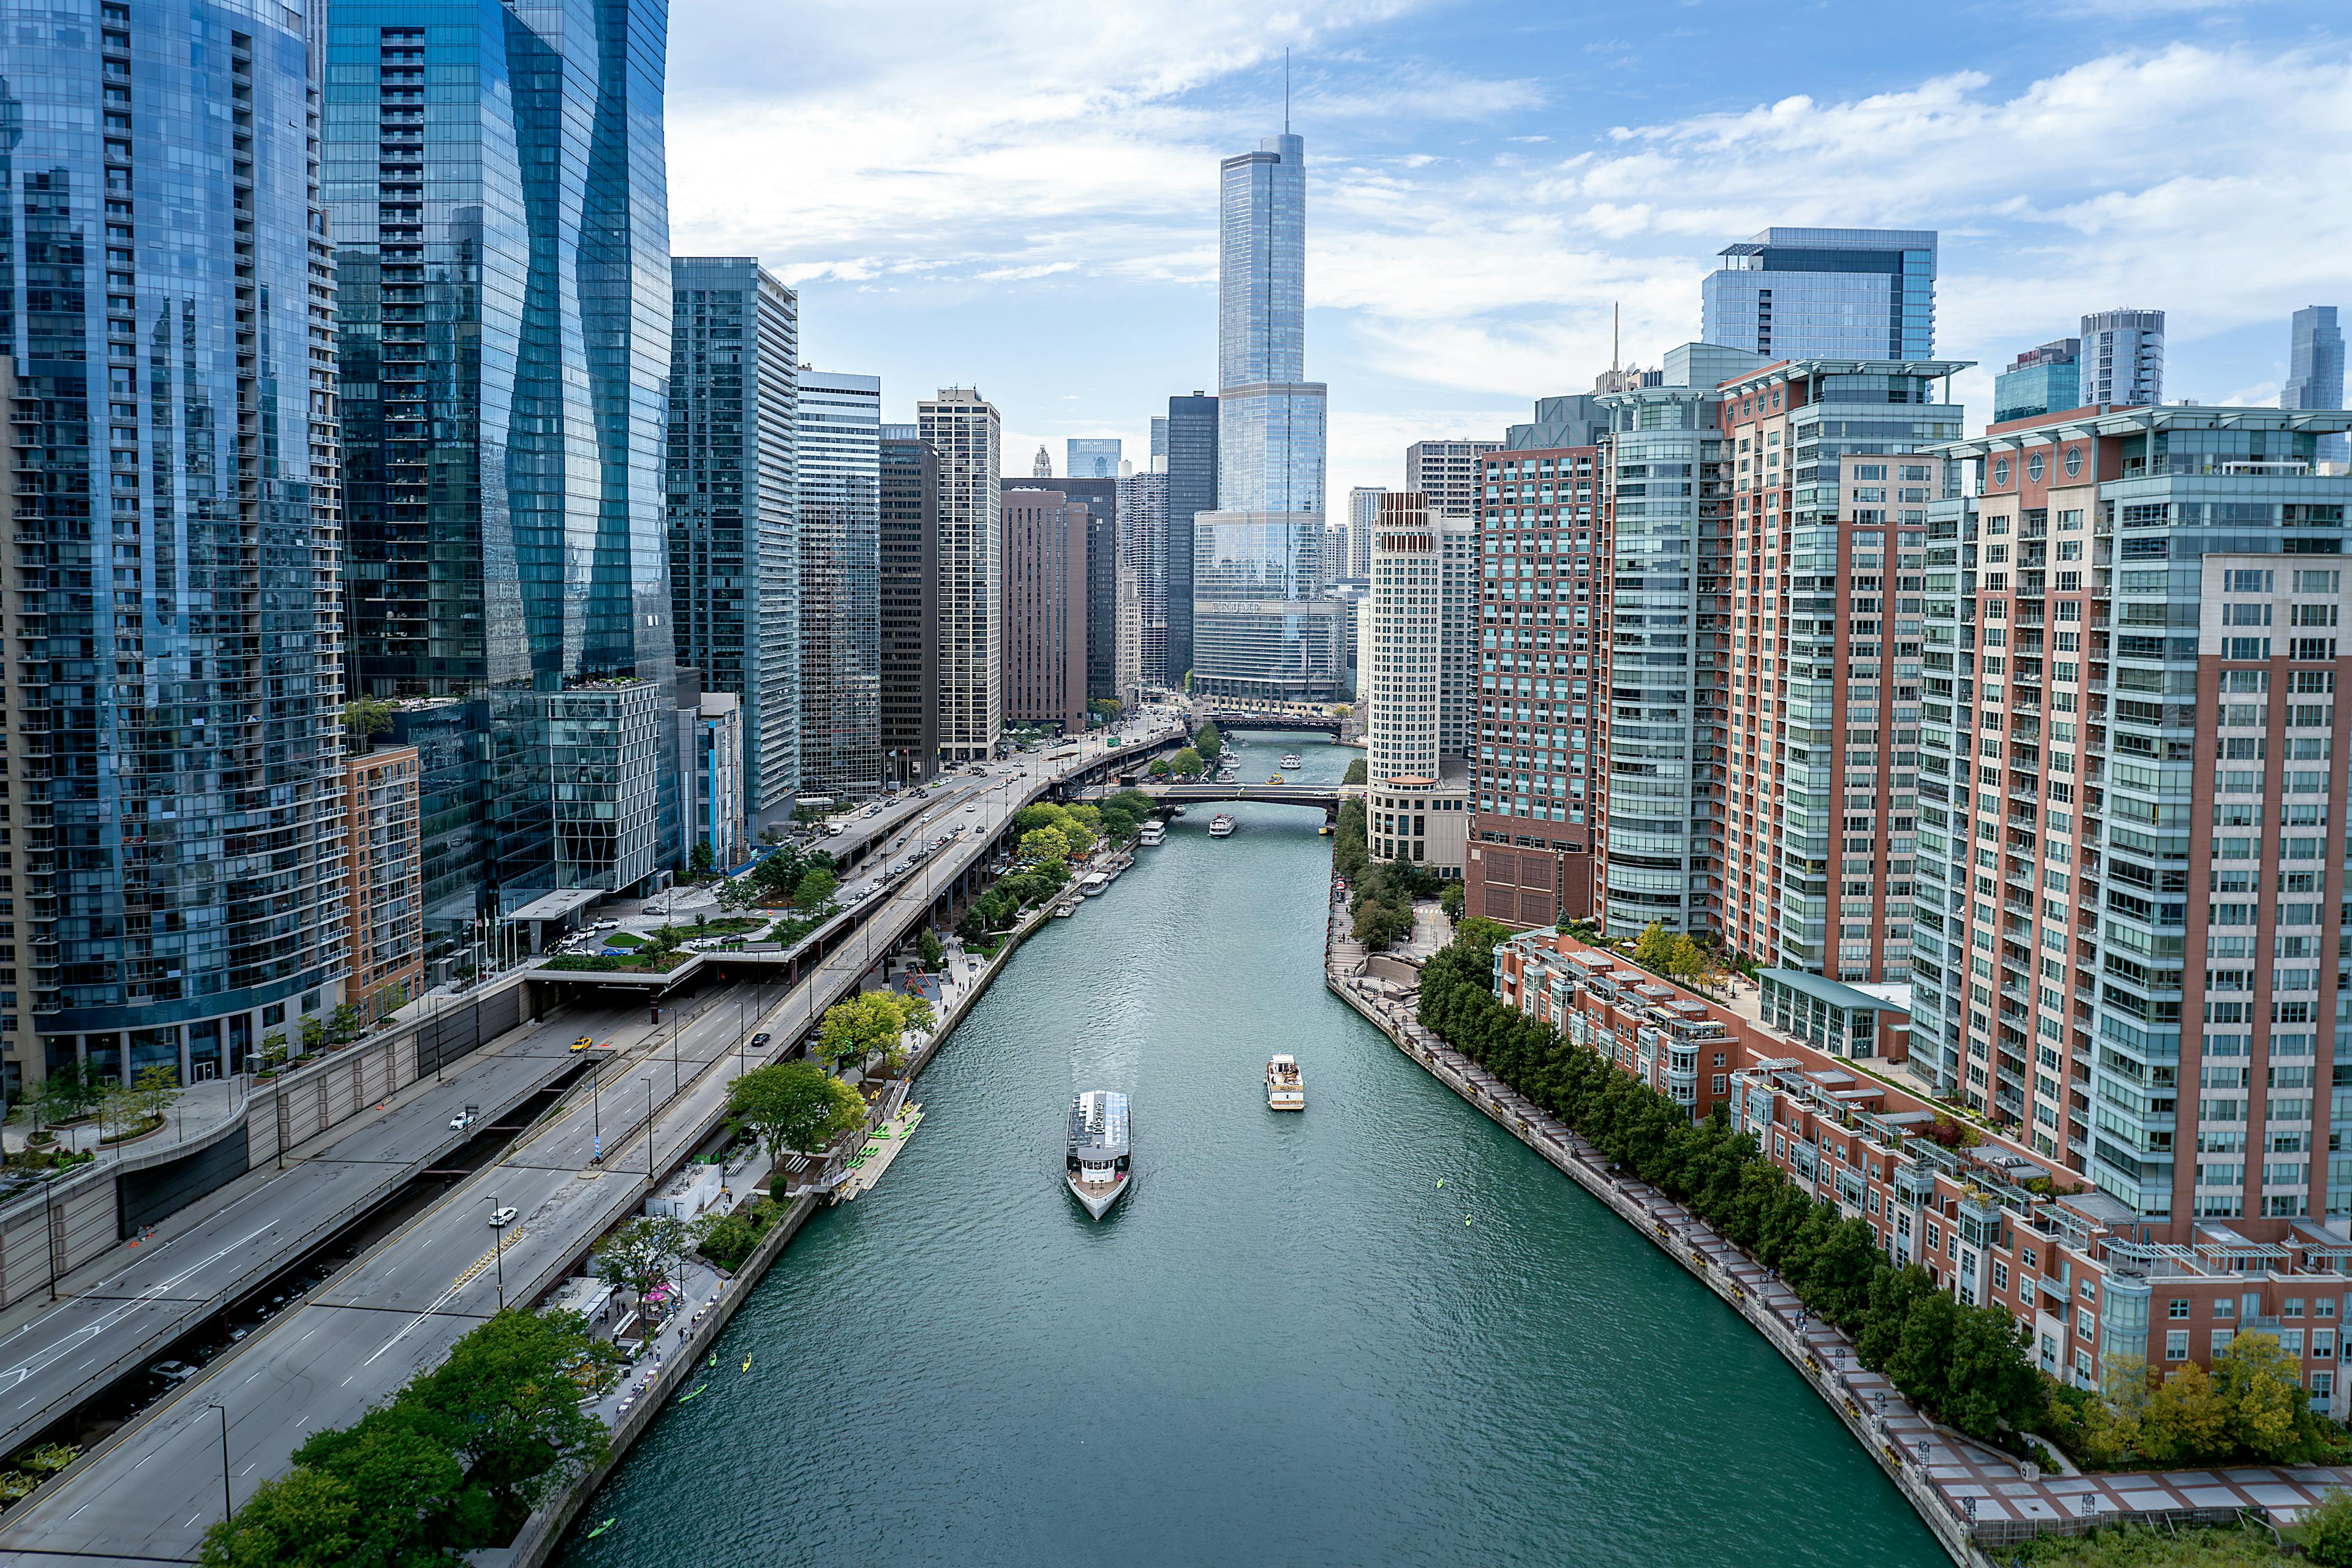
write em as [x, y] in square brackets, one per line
[1975, 1498]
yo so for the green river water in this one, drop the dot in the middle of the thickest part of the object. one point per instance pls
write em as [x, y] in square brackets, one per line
[1284, 1346]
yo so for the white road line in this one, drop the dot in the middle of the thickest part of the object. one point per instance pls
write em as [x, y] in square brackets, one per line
[16, 1376]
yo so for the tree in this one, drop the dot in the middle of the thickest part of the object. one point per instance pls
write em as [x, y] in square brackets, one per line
[1357, 773]
[1040, 844]
[2327, 1532]
[928, 948]
[794, 1106]
[1377, 926]
[365, 718]
[643, 1255]
[1655, 949]
[413, 1500]
[507, 1402]
[1209, 743]
[1991, 1386]
[2185, 1420]
[703, 864]
[159, 1086]
[1159, 768]
[2260, 1387]
[816, 885]
[864, 1026]
[301, 1520]
[1450, 899]
[1185, 764]
[1478, 937]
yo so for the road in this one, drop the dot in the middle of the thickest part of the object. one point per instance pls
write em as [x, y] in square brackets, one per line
[127, 1309]
[396, 1311]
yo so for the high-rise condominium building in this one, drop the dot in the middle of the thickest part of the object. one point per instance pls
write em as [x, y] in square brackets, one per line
[384, 889]
[504, 426]
[962, 427]
[1575, 420]
[1447, 472]
[734, 504]
[1191, 490]
[1092, 456]
[1143, 513]
[2316, 370]
[1045, 618]
[1159, 438]
[2131, 794]
[1669, 642]
[2046, 380]
[1538, 767]
[2123, 359]
[176, 777]
[841, 583]
[1825, 293]
[1260, 626]
[1363, 516]
[910, 606]
[1832, 484]
[1424, 581]
[1103, 604]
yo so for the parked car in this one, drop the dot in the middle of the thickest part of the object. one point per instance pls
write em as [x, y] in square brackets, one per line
[172, 1371]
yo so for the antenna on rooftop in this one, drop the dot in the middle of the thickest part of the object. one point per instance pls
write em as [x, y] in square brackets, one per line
[1286, 91]
[1612, 346]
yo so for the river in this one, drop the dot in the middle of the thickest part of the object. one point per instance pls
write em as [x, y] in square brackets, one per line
[1381, 1333]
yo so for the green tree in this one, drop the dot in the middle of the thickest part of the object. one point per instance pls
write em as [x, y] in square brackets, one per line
[1992, 1387]
[1159, 768]
[703, 864]
[794, 1106]
[509, 1401]
[365, 718]
[817, 885]
[1358, 772]
[410, 1491]
[159, 1086]
[1209, 743]
[2186, 1420]
[301, 1520]
[1040, 844]
[2327, 1532]
[1379, 926]
[1185, 764]
[861, 1027]
[1450, 900]
[729, 1239]
[929, 949]
[643, 1255]
[2269, 1409]
[1655, 948]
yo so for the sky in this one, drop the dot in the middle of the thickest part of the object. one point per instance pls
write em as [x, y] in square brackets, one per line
[1021, 195]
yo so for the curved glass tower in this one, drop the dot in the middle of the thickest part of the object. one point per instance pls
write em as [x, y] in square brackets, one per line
[1260, 626]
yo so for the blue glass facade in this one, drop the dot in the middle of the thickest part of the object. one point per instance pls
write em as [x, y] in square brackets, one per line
[1258, 558]
[496, 185]
[2046, 380]
[175, 764]
[1825, 293]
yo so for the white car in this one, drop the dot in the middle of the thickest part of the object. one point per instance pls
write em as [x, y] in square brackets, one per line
[460, 1121]
[502, 1217]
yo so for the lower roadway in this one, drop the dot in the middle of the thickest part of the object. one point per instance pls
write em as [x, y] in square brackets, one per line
[396, 1311]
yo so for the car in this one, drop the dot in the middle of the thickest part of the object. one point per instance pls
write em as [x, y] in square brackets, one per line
[174, 1372]
[583, 1042]
[762, 1039]
[460, 1121]
[502, 1217]
[973, 807]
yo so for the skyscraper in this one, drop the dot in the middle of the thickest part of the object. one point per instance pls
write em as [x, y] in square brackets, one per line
[1191, 490]
[2123, 359]
[1363, 516]
[963, 426]
[910, 606]
[1143, 577]
[1576, 419]
[506, 362]
[1423, 584]
[1159, 438]
[841, 584]
[1261, 627]
[1045, 613]
[1042, 468]
[734, 504]
[1092, 458]
[1446, 473]
[2046, 380]
[2316, 370]
[1825, 293]
[175, 771]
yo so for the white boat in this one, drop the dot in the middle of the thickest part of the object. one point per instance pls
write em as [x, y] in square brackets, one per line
[1151, 834]
[1064, 911]
[1290, 759]
[1097, 1167]
[1092, 884]
[1221, 826]
[1286, 1085]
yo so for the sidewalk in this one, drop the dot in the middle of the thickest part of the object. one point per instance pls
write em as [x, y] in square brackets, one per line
[1980, 1488]
[196, 1112]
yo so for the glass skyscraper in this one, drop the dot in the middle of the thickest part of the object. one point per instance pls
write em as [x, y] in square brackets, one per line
[1260, 626]
[1191, 490]
[734, 510]
[1825, 293]
[505, 318]
[1092, 456]
[2044, 379]
[175, 775]
[2316, 370]
[841, 584]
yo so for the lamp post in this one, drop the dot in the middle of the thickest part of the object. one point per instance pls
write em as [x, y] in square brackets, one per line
[228, 1508]
[499, 1249]
[596, 1111]
[649, 1129]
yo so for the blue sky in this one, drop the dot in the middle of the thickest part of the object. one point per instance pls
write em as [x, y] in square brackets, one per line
[1021, 194]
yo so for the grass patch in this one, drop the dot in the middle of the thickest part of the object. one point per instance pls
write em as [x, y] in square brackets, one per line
[623, 940]
[2139, 1546]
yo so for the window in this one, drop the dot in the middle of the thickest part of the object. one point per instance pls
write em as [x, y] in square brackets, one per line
[2000, 1275]
[2176, 1308]
[2176, 1345]
[2222, 1338]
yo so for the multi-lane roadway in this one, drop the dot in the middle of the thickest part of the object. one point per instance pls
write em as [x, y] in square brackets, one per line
[397, 1310]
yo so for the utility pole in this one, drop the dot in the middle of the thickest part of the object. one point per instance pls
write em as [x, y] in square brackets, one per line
[649, 1129]
[228, 1508]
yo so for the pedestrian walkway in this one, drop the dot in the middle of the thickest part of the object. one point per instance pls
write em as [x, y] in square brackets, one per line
[1992, 1496]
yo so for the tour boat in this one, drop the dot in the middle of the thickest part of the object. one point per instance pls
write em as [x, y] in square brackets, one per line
[1064, 911]
[1097, 1167]
[1290, 759]
[1152, 834]
[1286, 1085]
[1221, 826]
[1092, 883]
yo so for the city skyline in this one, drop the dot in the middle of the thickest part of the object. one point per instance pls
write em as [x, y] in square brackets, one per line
[1475, 221]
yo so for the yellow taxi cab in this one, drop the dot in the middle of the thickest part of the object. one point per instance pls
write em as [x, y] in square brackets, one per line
[583, 1042]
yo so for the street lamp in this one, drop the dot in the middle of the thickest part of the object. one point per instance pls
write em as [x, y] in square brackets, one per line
[648, 1082]
[499, 1249]
[596, 1111]
[228, 1508]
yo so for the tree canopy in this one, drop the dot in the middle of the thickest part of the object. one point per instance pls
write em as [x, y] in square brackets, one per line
[794, 1106]
[870, 1023]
